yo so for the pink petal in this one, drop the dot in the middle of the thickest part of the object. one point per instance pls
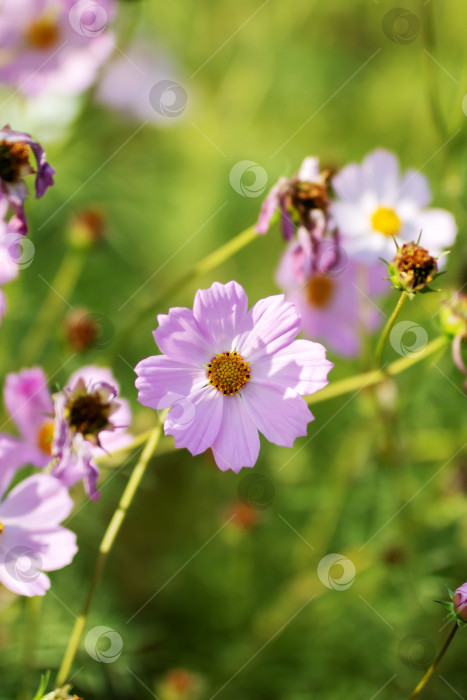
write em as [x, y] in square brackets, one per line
[438, 229]
[301, 366]
[221, 313]
[38, 502]
[160, 380]
[195, 421]
[179, 336]
[274, 324]
[57, 548]
[348, 183]
[268, 209]
[38, 585]
[237, 442]
[27, 399]
[280, 418]
[309, 170]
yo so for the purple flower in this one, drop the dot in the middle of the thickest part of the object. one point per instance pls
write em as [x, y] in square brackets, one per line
[47, 425]
[54, 46]
[228, 373]
[459, 601]
[302, 201]
[334, 301]
[376, 204]
[31, 539]
[15, 152]
[88, 423]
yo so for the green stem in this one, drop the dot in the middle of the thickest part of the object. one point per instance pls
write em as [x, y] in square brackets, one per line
[52, 307]
[387, 329]
[210, 262]
[435, 663]
[105, 547]
[361, 381]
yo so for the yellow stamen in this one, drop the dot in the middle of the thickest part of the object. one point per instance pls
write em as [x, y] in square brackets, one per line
[45, 436]
[385, 220]
[228, 372]
[320, 291]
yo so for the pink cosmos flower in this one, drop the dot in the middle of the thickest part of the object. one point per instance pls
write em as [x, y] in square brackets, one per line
[334, 302]
[228, 373]
[375, 203]
[51, 429]
[15, 152]
[54, 46]
[31, 538]
[301, 201]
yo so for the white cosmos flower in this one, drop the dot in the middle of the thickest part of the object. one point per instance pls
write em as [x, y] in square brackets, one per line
[376, 203]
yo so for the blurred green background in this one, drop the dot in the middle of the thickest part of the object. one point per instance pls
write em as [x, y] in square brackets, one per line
[382, 477]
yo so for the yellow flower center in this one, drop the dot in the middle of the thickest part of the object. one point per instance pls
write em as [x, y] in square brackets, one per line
[320, 291]
[228, 372]
[45, 436]
[1, 529]
[385, 220]
[43, 33]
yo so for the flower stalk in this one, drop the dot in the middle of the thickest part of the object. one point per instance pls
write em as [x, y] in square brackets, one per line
[387, 329]
[435, 663]
[106, 546]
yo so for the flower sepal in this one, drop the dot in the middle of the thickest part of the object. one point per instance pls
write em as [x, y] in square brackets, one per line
[455, 606]
[412, 269]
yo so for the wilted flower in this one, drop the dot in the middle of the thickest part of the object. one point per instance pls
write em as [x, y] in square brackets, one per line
[54, 46]
[228, 373]
[335, 302]
[301, 201]
[88, 422]
[81, 329]
[375, 204]
[15, 165]
[412, 268]
[31, 538]
[51, 431]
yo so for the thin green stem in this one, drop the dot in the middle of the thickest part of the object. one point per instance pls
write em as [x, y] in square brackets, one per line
[106, 546]
[49, 313]
[387, 329]
[210, 262]
[435, 663]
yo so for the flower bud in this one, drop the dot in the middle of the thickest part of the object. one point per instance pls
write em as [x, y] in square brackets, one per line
[459, 601]
[412, 268]
[87, 227]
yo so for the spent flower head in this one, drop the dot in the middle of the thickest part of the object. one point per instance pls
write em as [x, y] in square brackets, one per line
[412, 269]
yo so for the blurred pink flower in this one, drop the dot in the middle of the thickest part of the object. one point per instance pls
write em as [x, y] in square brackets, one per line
[31, 538]
[375, 203]
[334, 302]
[54, 46]
[143, 84]
[228, 373]
[15, 152]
